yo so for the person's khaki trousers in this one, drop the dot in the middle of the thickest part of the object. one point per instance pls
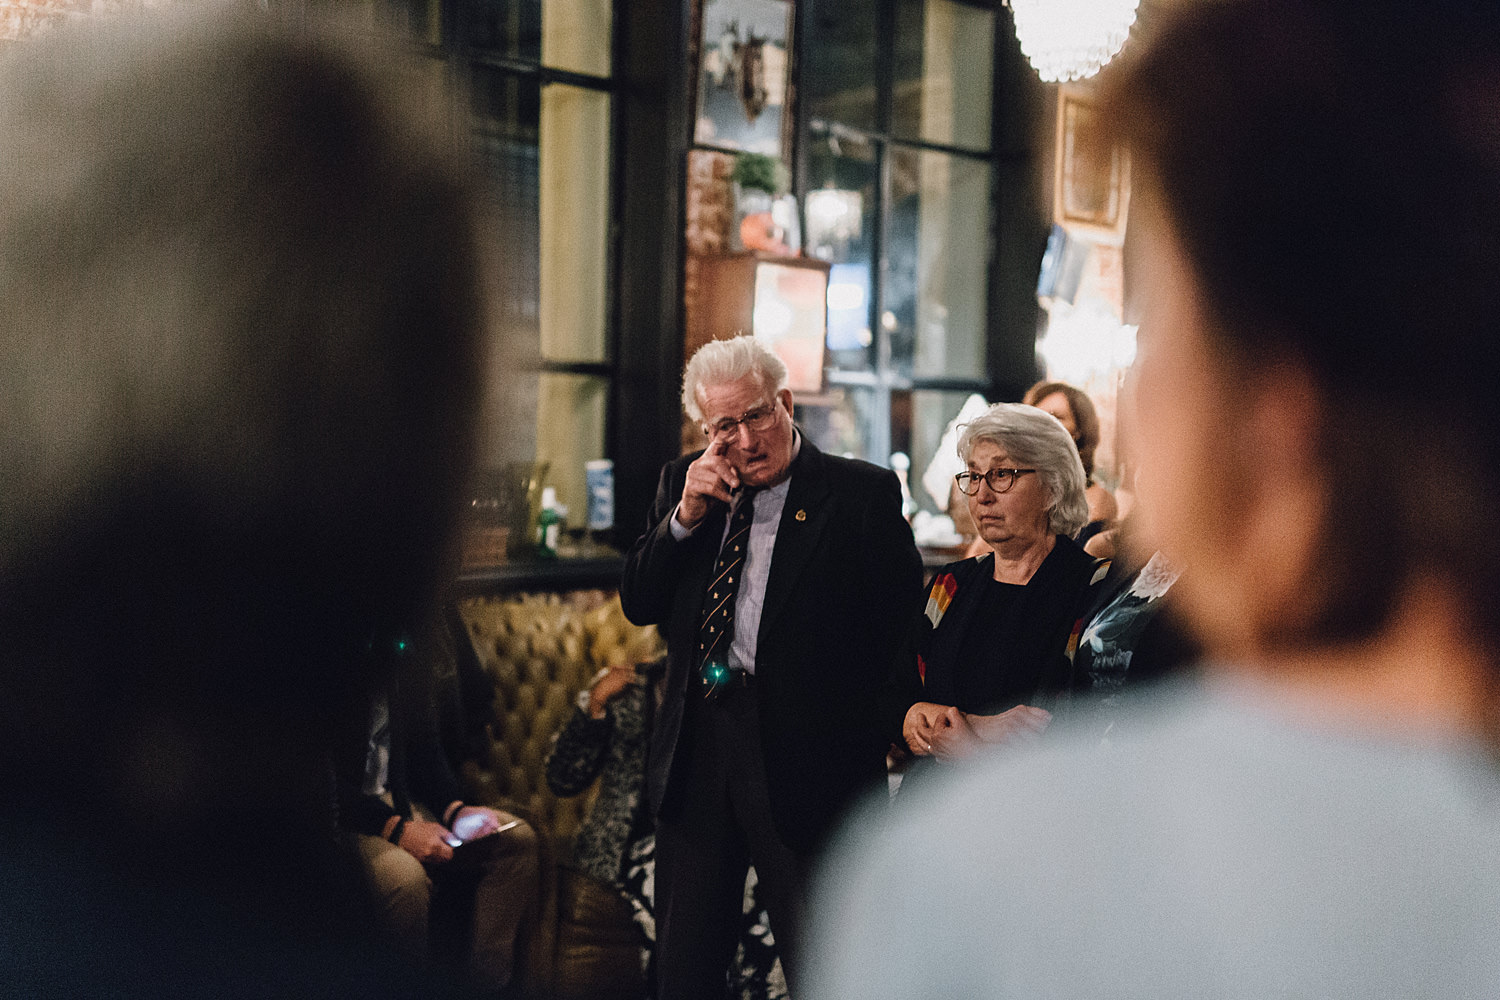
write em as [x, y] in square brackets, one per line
[466, 910]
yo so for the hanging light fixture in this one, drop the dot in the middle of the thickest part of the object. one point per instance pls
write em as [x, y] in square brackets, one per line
[1071, 39]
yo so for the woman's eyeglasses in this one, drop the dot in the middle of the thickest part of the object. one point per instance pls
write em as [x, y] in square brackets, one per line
[1000, 480]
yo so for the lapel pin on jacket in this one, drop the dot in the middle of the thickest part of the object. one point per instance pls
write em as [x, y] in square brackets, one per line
[801, 515]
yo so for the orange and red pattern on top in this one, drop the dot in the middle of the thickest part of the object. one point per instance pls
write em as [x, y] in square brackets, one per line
[941, 595]
[938, 599]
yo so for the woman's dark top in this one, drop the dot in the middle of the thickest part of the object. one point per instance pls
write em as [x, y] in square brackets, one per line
[986, 647]
[975, 680]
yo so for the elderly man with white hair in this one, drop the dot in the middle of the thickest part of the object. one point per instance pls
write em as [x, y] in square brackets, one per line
[782, 577]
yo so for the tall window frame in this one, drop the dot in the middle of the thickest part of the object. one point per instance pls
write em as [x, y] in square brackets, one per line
[884, 389]
[648, 117]
[557, 367]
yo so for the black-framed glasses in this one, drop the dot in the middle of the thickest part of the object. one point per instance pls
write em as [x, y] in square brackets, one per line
[759, 419]
[1000, 480]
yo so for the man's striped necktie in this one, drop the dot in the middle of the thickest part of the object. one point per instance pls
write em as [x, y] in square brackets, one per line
[717, 627]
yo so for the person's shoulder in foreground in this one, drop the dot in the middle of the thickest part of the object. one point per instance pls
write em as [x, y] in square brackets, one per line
[1224, 850]
[244, 318]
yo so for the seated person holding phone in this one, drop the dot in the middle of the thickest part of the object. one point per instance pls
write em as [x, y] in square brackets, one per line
[427, 853]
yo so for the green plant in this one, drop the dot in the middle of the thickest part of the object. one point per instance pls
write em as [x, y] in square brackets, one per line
[759, 172]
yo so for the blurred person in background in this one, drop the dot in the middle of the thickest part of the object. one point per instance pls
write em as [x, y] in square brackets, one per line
[991, 643]
[1317, 186]
[1130, 637]
[1132, 633]
[453, 879]
[238, 369]
[1075, 411]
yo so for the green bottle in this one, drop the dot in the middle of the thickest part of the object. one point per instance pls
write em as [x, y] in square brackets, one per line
[548, 525]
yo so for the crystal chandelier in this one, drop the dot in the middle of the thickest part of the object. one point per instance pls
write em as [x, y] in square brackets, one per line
[1071, 39]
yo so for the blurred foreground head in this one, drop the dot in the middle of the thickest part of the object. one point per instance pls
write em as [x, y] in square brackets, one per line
[1318, 211]
[237, 371]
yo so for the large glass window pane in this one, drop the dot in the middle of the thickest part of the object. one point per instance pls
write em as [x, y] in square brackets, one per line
[839, 422]
[511, 28]
[573, 35]
[938, 253]
[506, 103]
[574, 223]
[569, 432]
[941, 89]
[576, 35]
[546, 150]
[839, 60]
[422, 19]
[840, 211]
[507, 122]
[927, 415]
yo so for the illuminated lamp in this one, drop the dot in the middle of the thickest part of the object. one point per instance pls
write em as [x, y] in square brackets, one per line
[1071, 39]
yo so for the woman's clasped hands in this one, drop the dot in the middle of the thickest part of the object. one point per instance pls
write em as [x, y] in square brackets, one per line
[944, 732]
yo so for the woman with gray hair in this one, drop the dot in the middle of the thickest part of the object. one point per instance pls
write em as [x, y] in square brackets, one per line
[990, 647]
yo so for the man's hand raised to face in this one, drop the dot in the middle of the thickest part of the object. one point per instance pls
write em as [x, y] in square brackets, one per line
[711, 477]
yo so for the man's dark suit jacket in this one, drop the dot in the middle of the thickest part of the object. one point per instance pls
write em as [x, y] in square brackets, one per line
[843, 575]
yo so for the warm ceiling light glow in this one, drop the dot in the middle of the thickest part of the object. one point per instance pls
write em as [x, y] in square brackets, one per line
[1071, 39]
[1085, 342]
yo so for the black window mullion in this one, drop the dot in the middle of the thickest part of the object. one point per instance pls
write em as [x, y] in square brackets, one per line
[879, 439]
[885, 70]
[951, 383]
[547, 74]
[1018, 213]
[597, 369]
[998, 175]
[616, 198]
[921, 144]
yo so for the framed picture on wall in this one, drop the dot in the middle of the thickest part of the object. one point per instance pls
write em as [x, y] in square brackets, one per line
[743, 60]
[782, 301]
[1091, 190]
[791, 317]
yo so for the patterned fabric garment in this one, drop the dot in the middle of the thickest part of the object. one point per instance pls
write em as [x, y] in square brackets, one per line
[1108, 643]
[616, 844]
[756, 973]
[614, 747]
